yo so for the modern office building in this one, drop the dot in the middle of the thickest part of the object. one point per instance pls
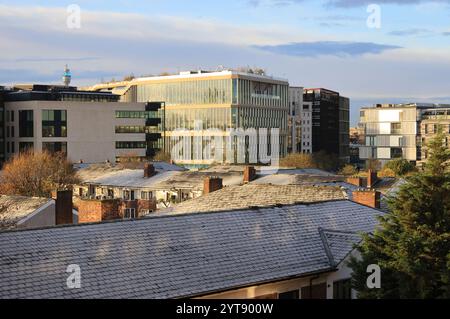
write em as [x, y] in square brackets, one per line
[330, 122]
[2, 126]
[204, 106]
[400, 130]
[299, 122]
[90, 127]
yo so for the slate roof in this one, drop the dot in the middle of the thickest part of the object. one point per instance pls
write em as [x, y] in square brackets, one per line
[180, 256]
[256, 195]
[15, 208]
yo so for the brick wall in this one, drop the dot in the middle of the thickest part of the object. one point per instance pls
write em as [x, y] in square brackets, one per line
[355, 180]
[212, 184]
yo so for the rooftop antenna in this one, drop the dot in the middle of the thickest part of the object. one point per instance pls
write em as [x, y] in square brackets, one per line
[67, 77]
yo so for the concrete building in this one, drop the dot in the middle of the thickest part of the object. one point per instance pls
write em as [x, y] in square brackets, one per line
[299, 122]
[203, 109]
[330, 122]
[90, 127]
[287, 252]
[2, 126]
[395, 130]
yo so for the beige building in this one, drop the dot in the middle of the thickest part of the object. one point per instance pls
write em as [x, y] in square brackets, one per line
[88, 127]
[433, 121]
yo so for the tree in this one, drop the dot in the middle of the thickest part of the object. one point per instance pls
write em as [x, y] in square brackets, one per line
[348, 170]
[320, 160]
[400, 167]
[37, 174]
[412, 244]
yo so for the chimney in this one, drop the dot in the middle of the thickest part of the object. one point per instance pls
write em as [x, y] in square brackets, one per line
[149, 170]
[249, 174]
[372, 178]
[355, 180]
[369, 198]
[212, 184]
[64, 207]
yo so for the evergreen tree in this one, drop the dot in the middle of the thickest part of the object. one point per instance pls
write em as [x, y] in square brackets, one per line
[412, 244]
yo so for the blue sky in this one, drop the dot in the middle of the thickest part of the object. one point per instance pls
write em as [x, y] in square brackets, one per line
[313, 43]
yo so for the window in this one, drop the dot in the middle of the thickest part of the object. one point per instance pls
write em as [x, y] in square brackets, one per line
[396, 152]
[25, 146]
[54, 123]
[12, 131]
[295, 294]
[396, 128]
[12, 116]
[146, 195]
[130, 129]
[131, 145]
[26, 123]
[55, 147]
[129, 213]
[13, 147]
[342, 289]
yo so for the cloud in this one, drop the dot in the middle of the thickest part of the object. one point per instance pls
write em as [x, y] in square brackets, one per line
[411, 32]
[330, 48]
[446, 34]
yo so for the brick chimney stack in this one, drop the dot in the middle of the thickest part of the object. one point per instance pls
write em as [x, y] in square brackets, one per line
[249, 174]
[369, 198]
[372, 178]
[355, 180]
[64, 207]
[149, 170]
[212, 184]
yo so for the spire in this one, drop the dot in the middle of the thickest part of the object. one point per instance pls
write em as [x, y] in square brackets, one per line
[67, 77]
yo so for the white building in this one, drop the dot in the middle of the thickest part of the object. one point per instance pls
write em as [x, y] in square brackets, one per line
[299, 122]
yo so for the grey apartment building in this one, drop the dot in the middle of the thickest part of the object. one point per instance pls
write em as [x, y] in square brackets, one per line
[401, 130]
[89, 127]
[222, 101]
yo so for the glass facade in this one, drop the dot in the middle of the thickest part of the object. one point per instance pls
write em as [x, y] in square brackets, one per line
[238, 102]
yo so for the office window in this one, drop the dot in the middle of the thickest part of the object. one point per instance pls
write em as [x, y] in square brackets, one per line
[12, 116]
[130, 129]
[7, 147]
[26, 124]
[55, 147]
[131, 145]
[13, 147]
[396, 152]
[12, 131]
[342, 289]
[54, 123]
[295, 294]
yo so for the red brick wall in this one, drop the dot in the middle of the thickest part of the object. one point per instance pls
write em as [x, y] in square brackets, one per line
[368, 198]
[93, 211]
[249, 174]
[64, 208]
[372, 178]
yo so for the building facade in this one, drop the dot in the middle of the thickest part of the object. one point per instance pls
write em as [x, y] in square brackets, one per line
[400, 130]
[205, 109]
[330, 122]
[2, 126]
[88, 127]
[299, 122]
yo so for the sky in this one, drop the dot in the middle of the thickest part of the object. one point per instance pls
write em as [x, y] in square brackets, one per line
[312, 43]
